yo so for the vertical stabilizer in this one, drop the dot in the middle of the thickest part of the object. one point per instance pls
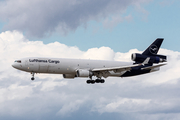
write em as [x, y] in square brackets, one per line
[154, 47]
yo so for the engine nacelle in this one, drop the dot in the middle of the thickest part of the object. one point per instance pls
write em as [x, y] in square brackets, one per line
[69, 76]
[139, 58]
[83, 73]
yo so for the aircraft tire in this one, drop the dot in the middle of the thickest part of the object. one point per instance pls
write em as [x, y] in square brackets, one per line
[88, 81]
[102, 81]
[97, 81]
[92, 81]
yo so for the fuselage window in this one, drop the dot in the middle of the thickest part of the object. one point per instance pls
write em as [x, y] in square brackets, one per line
[18, 61]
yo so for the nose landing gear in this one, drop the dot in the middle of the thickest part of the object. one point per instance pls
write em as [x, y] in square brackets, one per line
[32, 76]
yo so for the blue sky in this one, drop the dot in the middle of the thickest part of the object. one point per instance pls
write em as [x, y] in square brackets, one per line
[155, 19]
[160, 20]
[32, 27]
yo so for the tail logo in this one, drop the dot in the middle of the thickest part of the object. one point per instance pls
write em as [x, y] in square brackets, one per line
[153, 49]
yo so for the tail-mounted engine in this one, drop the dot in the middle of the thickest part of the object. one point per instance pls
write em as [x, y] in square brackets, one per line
[139, 58]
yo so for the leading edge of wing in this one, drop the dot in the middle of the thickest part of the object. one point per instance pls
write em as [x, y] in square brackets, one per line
[123, 68]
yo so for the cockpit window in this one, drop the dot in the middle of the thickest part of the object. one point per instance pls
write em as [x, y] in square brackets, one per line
[18, 61]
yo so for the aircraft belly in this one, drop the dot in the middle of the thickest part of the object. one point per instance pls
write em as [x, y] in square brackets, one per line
[31, 67]
[43, 67]
[52, 69]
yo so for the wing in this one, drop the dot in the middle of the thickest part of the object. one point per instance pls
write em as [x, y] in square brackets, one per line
[122, 68]
[155, 66]
[116, 69]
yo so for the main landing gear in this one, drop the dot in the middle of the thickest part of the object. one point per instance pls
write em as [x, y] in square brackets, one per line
[32, 76]
[95, 81]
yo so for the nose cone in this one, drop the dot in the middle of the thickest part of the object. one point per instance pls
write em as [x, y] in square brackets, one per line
[15, 65]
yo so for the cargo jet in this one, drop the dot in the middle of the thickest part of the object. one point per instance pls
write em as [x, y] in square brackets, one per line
[148, 61]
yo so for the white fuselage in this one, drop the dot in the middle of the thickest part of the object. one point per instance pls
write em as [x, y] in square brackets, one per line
[144, 63]
[65, 66]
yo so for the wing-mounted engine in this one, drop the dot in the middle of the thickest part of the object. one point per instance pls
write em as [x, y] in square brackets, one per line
[139, 58]
[83, 73]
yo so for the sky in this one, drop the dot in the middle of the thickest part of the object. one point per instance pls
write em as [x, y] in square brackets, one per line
[88, 29]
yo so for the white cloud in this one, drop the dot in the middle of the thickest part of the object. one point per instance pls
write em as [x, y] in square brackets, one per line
[151, 96]
[103, 53]
[128, 105]
[70, 107]
[115, 20]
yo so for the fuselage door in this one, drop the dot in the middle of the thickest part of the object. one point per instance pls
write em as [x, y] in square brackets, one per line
[43, 65]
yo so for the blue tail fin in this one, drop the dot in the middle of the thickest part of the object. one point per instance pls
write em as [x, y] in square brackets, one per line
[150, 52]
[154, 47]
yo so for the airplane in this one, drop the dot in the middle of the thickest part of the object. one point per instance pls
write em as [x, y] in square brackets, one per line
[147, 62]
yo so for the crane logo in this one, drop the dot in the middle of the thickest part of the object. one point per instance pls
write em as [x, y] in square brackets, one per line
[153, 49]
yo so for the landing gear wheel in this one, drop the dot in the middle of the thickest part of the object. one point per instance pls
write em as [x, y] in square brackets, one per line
[97, 80]
[92, 81]
[88, 81]
[32, 76]
[102, 81]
